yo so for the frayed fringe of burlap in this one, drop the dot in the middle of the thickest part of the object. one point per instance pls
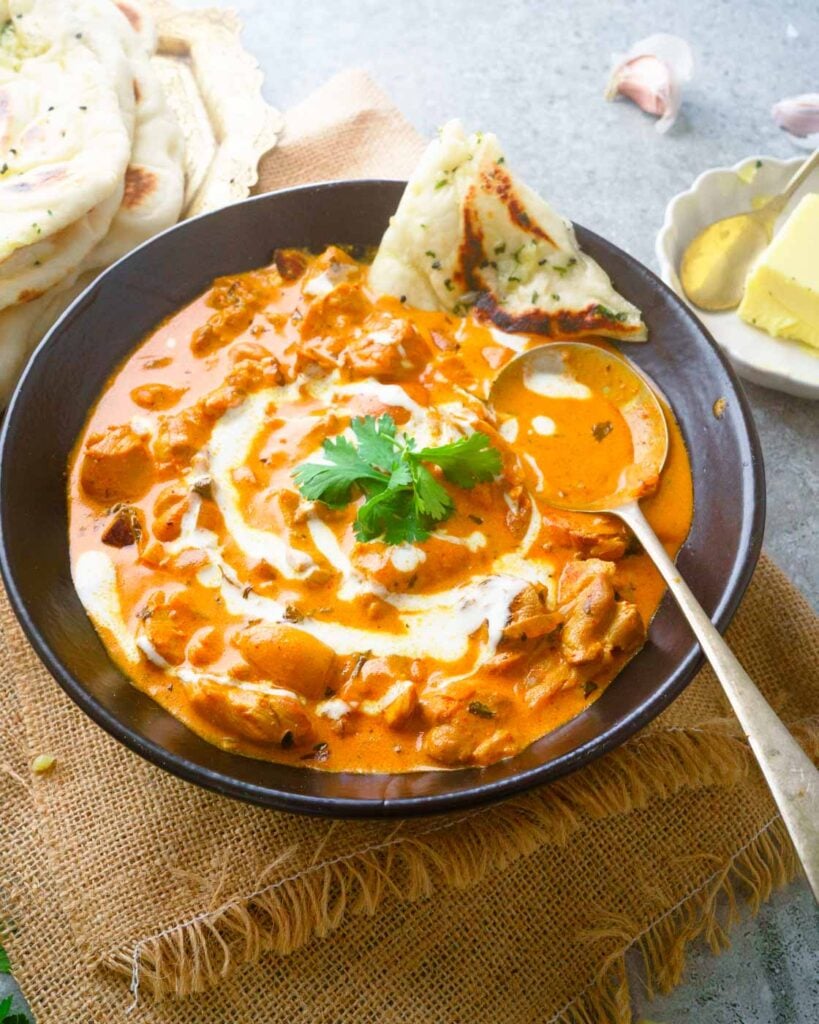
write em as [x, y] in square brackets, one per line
[281, 917]
[767, 862]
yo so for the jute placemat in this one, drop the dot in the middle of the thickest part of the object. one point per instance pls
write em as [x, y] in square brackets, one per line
[113, 873]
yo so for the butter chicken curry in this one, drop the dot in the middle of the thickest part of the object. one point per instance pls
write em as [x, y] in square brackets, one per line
[298, 526]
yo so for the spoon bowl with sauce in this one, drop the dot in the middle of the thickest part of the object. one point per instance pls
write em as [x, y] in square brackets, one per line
[599, 427]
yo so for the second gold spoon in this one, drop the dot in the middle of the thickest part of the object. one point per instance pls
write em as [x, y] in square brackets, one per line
[716, 263]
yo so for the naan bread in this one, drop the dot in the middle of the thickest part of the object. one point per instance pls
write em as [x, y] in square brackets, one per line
[152, 201]
[66, 126]
[467, 233]
[141, 22]
[21, 329]
[31, 271]
[155, 178]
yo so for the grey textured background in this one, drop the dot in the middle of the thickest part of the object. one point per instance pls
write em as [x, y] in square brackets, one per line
[533, 71]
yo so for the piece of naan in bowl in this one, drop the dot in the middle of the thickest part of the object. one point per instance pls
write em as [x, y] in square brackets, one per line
[467, 233]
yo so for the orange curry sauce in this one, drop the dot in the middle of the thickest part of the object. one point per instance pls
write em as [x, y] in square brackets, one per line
[257, 618]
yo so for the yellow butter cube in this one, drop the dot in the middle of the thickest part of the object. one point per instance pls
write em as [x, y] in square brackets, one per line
[782, 290]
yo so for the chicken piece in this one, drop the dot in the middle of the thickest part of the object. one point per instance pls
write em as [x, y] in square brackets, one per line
[450, 744]
[244, 350]
[169, 624]
[592, 536]
[548, 674]
[597, 625]
[156, 396]
[400, 708]
[388, 348]
[384, 686]
[287, 657]
[247, 375]
[169, 508]
[333, 315]
[327, 271]
[236, 300]
[290, 263]
[124, 528]
[458, 740]
[627, 631]
[438, 708]
[529, 615]
[462, 724]
[180, 436]
[266, 718]
[499, 745]
[432, 565]
[205, 647]
[507, 660]
[117, 466]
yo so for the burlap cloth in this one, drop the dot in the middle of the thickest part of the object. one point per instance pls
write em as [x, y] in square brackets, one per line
[114, 874]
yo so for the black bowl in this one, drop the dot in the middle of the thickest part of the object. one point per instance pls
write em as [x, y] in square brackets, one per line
[105, 323]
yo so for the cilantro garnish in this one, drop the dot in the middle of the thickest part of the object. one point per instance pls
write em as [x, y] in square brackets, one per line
[6, 1016]
[404, 500]
[608, 314]
[480, 710]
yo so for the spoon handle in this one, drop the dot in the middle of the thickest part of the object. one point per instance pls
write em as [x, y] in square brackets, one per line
[802, 173]
[791, 776]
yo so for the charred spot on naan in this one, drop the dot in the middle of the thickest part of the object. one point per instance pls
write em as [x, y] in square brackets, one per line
[132, 14]
[140, 185]
[473, 257]
[499, 183]
[29, 295]
[558, 324]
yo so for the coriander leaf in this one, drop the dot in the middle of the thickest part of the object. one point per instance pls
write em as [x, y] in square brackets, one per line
[609, 314]
[332, 481]
[480, 710]
[5, 964]
[430, 497]
[407, 526]
[466, 462]
[401, 475]
[403, 499]
[376, 441]
[390, 514]
[5, 1006]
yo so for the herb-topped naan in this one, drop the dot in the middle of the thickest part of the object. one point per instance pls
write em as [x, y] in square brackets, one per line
[468, 233]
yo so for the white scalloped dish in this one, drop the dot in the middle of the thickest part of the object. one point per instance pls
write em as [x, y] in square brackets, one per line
[788, 366]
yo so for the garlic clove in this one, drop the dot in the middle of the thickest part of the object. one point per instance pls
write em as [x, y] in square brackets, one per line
[799, 117]
[651, 74]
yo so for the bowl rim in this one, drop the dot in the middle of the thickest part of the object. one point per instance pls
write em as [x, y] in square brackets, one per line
[472, 797]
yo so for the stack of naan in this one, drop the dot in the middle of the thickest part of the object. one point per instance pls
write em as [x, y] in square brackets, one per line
[91, 159]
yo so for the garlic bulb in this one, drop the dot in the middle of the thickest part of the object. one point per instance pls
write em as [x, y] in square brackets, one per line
[799, 116]
[651, 74]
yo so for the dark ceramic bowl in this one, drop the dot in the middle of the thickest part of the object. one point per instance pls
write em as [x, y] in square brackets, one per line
[106, 322]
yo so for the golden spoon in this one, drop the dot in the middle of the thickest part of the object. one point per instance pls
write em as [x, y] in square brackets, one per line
[715, 264]
[790, 774]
